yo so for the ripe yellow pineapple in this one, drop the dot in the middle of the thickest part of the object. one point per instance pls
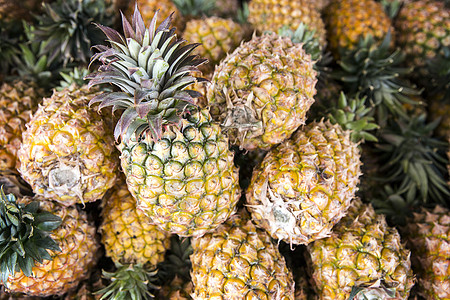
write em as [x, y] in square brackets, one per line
[428, 236]
[262, 91]
[423, 28]
[362, 256]
[347, 21]
[239, 261]
[67, 152]
[127, 234]
[65, 267]
[176, 159]
[217, 37]
[269, 15]
[304, 186]
[17, 102]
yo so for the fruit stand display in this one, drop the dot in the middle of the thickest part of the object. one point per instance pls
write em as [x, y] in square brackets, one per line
[225, 149]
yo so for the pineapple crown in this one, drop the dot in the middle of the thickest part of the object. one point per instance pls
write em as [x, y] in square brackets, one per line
[177, 262]
[352, 115]
[414, 161]
[11, 34]
[24, 235]
[31, 63]
[391, 7]
[75, 76]
[128, 282]
[152, 70]
[306, 37]
[68, 30]
[195, 8]
[372, 70]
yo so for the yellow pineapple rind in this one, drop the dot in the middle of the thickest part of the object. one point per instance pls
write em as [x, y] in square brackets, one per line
[262, 91]
[362, 251]
[186, 182]
[428, 236]
[127, 234]
[239, 261]
[304, 186]
[67, 152]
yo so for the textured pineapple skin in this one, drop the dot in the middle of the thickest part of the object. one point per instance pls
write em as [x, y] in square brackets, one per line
[349, 20]
[68, 154]
[271, 15]
[127, 234]
[428, 236]
[239, 261]
[361, 250]
[441, 109]
[17, 103]
[217, 37]
[304, 186]
[77, 240]
[165, 7]
[423, 27]
[186, 182]
[262, 91]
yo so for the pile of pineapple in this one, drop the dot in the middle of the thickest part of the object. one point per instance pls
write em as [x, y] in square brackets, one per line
[225, 149]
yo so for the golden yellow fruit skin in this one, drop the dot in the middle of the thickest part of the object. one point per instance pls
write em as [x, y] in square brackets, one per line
[17, 102]
[186, 182]
[127, 234]
[271, 15]
[262, 91]
[423, 27]
[361, 250]
[77, 239]
[165, 7]
[428, 236]
[304, 186]
[239, 261]
[217, 37]
[68, 153]
[349, 20]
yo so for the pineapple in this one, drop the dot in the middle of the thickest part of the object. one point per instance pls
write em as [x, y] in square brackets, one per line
[10, 9]
[48, 254]
[226, 8]
[304, 186]
[428, 236]
[127, 234]
[239, 261]
[423, 28]
[267, 15]
[347, 21]
[262, 91]
[182, 177]
[363, 257]
[67, 152]
[217, 37]
[18, 100]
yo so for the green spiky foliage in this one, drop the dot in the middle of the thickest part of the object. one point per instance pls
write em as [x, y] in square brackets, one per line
[195, 8]
[128, 282]
[354, 116]
[11, 34]
[374, 71]
[24, 235]
[439, 73]
[305, 36]
[32, 64]
[68, 28]
[391, 7]
[413, 162]
[152, 68]
[75, 76]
